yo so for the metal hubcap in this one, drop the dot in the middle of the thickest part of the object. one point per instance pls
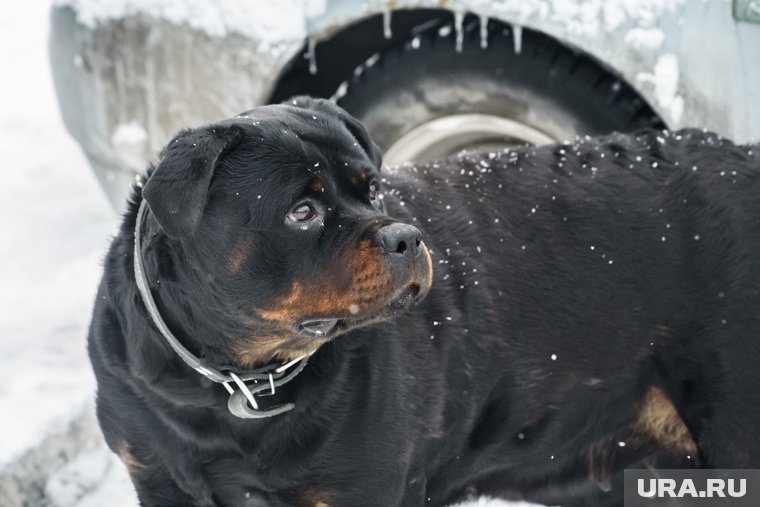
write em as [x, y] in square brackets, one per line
[447, 135]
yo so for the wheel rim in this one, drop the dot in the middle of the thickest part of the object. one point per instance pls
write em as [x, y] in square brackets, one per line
[446, 135]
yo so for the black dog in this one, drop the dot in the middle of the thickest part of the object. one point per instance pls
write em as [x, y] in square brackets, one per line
[522, 324]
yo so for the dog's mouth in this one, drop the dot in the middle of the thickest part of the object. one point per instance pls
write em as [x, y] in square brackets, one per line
[318, 327]
[325, 327]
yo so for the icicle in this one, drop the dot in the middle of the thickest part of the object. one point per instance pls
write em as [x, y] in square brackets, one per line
[387, 32]
[458, 22]
[312, 51]
[483, 32]
[372, 60]
[517, 35]
[340, 92]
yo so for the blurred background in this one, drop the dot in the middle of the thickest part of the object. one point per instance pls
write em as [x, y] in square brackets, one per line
[92, 89]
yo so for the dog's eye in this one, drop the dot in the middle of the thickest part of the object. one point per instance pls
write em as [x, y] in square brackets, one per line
[302, 213]
[373, 191]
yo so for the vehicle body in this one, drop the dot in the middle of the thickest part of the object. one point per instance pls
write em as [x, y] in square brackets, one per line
[130, 73]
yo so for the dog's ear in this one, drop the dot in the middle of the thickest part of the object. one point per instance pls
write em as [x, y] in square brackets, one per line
[177, 190]
[353, 125]
[362, 137]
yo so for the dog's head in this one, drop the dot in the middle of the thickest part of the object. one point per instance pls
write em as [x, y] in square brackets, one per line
[278, 215]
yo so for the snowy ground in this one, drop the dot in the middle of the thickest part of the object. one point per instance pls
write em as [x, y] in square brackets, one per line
[55, 224]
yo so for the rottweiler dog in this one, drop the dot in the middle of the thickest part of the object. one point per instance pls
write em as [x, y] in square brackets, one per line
[282, 324]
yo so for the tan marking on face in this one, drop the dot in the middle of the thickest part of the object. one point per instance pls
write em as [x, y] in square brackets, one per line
[264, 349]
[363, 281]
[317, 185]
[134, 467]
[659, 420]
[362, 175]
[238, 256]
[314, 497]
[362, 286]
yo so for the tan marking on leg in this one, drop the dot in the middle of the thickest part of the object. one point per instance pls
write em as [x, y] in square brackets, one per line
[656, 429]
[659, 420]
[134, 467]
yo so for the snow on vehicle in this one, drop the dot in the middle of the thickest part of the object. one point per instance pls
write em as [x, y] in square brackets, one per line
[427, 77]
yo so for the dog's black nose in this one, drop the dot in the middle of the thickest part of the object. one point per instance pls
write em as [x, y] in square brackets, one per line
[400, 239]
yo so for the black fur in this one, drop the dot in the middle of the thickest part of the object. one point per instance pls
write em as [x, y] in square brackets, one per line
[568, 280]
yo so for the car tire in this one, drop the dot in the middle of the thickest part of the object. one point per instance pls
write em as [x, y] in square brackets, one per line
[433, 96]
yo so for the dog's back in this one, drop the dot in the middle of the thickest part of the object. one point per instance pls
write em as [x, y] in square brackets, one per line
[617, 272]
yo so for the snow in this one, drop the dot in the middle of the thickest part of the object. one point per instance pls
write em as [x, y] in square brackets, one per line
[55, 223]
[94, 479]
[645, 38]
[129, 134]
[280, 27]
[269, 22]
[130, 144]
[665, 82]
[585, 18]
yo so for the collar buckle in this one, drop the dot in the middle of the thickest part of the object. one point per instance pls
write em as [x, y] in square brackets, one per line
[243, 402]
